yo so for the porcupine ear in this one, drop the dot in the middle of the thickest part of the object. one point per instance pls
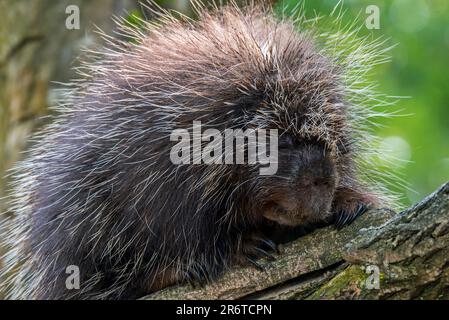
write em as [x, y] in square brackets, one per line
[355, 53]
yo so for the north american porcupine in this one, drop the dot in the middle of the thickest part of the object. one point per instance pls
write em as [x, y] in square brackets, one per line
[99, 190]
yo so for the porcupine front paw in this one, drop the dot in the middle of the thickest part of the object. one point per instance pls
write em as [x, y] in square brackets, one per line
[256, 247]
[349, 204]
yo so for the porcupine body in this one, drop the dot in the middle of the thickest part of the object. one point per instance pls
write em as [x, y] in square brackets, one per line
[99, 190]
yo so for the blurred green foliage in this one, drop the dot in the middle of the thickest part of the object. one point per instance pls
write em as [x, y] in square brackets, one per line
[135, 18]
[419, 70]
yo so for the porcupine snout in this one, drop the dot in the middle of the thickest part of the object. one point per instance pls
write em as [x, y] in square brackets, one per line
[305, 186]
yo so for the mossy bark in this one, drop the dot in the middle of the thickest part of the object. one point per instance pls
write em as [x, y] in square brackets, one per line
[383, 255]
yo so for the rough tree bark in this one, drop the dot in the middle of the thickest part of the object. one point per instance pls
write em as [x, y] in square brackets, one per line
[410, 250]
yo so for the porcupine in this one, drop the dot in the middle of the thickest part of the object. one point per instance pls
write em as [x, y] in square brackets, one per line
[99, 190]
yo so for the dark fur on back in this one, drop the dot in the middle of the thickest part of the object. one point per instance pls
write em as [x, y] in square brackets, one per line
[101, 193]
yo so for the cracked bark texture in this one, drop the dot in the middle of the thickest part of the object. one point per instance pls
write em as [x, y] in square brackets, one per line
[408, 253]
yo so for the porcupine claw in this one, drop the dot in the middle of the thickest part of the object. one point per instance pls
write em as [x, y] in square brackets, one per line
[345, 217]
[195, 279]
[257, 265]
[271, 245]
[265, 254]
[260, 248]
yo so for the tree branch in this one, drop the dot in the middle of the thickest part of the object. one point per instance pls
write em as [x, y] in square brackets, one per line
[410, 252]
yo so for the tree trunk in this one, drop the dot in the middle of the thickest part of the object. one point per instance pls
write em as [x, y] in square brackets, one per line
[36, 48]
[382, 255]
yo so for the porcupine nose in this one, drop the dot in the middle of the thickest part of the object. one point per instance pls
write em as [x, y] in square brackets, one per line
[308, 197]
[315, 184]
